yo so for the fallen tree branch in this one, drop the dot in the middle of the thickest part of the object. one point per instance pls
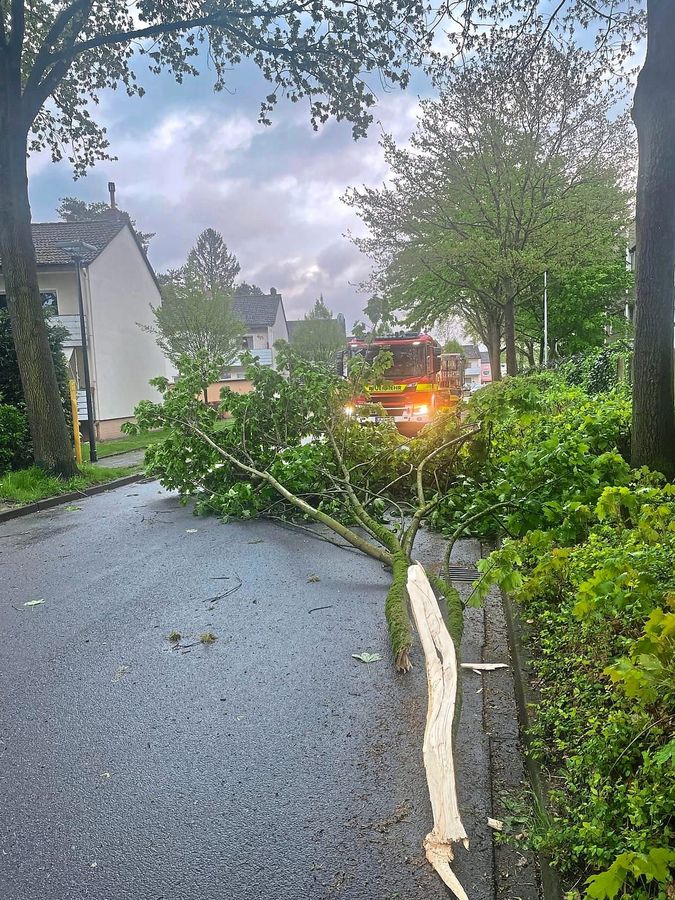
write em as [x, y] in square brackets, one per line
[441, 664]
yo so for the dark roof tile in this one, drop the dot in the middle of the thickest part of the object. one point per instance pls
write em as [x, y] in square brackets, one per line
[471, 351]
[48, 235]
[257, 310]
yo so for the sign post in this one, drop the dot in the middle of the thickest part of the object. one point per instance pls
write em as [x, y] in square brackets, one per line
[72, 390]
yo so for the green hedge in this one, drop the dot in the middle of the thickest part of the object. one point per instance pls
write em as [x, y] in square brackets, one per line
[590, 562]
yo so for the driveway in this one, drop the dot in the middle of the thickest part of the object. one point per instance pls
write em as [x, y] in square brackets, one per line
[269, 764]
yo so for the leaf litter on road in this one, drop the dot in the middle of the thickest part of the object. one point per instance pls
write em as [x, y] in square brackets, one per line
[367, 657]
[120, 673]
[34, 602]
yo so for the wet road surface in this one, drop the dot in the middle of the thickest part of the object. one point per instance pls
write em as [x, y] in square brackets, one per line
[270, 764]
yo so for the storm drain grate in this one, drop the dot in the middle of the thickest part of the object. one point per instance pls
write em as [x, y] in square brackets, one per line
[461, 573]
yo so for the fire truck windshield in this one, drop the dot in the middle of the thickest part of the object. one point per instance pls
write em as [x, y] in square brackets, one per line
[409, 361]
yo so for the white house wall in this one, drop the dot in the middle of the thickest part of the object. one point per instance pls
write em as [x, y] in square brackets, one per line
[61, 281]
[119, 290]
[279, 331]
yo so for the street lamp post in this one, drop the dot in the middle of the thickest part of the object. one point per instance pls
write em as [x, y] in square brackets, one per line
[77, 251]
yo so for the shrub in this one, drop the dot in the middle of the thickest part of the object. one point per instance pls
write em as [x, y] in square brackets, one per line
[10, 380]
[15, 447]
[548, 449]
[589, 561]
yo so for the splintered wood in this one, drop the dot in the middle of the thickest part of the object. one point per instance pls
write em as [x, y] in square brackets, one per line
[441, 666]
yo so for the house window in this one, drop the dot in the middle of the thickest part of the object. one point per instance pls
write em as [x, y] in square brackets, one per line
[49, 302]
[247, 342]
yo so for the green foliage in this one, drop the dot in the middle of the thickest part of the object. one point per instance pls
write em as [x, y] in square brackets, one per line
[15, 450]
[292, 450]
[70, 51]
[599, 602]
[72, 209]
[10, 381]
[582, 302]
[502, 181]
[194, 320]
[547, 448]
[634, 868]
[319, 336]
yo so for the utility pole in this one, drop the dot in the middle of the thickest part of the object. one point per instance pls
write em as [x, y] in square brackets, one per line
[545, 319]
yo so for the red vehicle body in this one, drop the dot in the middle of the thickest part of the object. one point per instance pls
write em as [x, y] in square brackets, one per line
[421, 381]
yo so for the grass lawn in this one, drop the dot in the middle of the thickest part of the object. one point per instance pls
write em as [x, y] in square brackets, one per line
[122, 444]
[29, 485]
[135, 441]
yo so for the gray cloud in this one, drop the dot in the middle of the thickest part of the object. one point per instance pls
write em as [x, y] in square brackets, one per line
[195, 161]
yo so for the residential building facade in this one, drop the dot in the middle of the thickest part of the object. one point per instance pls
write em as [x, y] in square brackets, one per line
[118, 287]
[473, 369]
[264, 323]
[485, 368]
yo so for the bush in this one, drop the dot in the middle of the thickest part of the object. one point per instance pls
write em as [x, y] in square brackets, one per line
[590, 563]
[15, 447]
[10, 380]
[548, 449]
[602, 642]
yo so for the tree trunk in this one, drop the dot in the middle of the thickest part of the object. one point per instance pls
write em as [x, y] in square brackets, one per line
[653, 432]
[46, 419]
[528, 349]
[510, 338]
[494, 345]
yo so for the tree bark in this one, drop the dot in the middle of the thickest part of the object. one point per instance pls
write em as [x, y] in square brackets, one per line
[510, 337]
[46, 419]
[528, 350]
[653, 431]
[494, 345]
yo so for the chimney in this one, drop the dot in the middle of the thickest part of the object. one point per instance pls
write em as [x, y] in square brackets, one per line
[111, 190]
[273, 292]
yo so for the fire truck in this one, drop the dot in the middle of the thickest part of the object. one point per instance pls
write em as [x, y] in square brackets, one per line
[421, 380]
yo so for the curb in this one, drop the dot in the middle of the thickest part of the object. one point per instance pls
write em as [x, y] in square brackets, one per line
[550, 881]
[61, 499]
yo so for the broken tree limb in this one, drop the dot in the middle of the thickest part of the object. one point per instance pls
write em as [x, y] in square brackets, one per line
[441, 665]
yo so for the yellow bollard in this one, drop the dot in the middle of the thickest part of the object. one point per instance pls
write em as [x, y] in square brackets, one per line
[72, 388]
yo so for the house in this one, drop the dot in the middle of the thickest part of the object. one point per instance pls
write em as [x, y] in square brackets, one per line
[118, 286]
[473, 369]
[265, 323]
[485, 370]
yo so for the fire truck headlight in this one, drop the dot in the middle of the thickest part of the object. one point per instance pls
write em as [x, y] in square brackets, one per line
[349, 410]
[422, 410]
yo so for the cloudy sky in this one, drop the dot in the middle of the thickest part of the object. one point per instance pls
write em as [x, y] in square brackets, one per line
[189, 159]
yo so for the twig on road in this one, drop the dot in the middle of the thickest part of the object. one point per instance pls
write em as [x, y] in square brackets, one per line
[226, 593]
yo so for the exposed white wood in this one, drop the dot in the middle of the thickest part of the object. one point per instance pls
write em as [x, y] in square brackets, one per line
[486, 667]
[441, 667]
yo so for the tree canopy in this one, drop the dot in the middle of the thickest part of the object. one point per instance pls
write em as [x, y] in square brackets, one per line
[508, 174]
[72, 209]
[196, 319]
[211, 262]
[319, 336]
[56, 59]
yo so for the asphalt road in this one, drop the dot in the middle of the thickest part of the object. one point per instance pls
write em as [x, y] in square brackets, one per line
[270, 764]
